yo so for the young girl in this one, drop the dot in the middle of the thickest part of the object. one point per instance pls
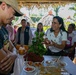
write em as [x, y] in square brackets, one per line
[39, 28]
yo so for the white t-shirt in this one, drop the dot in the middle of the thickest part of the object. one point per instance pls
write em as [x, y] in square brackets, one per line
[73, 36]
[69, 39]
[62, 36]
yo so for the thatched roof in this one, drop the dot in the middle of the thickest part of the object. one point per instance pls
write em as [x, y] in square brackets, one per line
[47, 0]
[43, 3]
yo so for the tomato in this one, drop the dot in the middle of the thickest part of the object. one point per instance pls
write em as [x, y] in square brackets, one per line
[28, 69]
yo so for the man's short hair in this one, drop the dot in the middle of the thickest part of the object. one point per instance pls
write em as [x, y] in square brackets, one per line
[23, 20]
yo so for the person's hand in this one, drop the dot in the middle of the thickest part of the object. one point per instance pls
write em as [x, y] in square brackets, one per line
[53, 43]
[46, 41]
[7, 62]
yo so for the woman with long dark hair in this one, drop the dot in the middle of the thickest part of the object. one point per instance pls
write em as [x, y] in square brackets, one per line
[56, 37]
[39, 29]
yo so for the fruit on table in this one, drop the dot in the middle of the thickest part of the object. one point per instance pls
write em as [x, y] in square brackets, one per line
[28, 69]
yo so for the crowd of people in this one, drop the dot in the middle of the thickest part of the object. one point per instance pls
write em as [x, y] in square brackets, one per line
[58, 40]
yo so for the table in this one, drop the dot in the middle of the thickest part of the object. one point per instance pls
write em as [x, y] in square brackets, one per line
[70, 66]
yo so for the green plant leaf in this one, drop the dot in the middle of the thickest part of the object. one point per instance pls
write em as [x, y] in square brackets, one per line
[37, 46]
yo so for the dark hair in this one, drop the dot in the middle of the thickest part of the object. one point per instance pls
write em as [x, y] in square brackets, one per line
[60, 20]
[38, 25]
[73, 25]
[23, 20]
[28, 24]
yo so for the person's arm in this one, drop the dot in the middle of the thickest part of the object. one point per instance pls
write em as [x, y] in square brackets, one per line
[9, 46]
[2, 54]
[63, 43]
[61, 46]
[12, 48]
[2, 51]
[7, 60]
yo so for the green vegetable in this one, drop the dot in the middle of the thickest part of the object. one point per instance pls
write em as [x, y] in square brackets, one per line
[37, 47]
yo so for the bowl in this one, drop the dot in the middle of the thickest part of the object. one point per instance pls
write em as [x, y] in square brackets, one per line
[29, 68]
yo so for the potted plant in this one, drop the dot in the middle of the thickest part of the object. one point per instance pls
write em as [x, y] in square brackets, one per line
[37, 49]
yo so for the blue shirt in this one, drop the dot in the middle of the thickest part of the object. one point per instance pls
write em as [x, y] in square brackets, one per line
[4, 37]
